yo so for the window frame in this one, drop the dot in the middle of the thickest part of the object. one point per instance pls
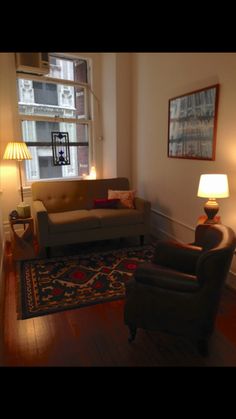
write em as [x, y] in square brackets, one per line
[88, 120]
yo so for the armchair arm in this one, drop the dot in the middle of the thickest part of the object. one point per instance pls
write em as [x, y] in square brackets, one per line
[158, 276]
[178, 256]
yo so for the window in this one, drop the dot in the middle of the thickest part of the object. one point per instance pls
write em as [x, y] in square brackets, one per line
[45, 93]
[56, 102]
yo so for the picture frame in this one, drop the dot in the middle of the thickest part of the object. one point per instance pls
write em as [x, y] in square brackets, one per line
[192, 120]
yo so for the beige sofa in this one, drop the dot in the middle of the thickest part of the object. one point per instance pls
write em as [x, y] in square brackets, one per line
[63, 212]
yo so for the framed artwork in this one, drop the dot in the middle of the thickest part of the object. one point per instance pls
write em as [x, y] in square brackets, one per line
[192, 122]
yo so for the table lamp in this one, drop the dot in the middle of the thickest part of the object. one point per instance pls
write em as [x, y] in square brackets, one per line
[19, 151]
[92, 174]
[212, 186]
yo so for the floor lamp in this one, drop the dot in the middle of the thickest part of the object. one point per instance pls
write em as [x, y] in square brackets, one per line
[19, 151]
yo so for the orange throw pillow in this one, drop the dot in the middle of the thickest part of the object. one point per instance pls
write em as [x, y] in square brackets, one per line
[126, 197]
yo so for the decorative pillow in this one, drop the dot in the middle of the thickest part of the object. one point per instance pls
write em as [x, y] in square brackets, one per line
[105, 203]
[178, 256]
[126, 197]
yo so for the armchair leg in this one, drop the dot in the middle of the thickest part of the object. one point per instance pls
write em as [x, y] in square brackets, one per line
[132, 333]
[202, 346]
[141, 240]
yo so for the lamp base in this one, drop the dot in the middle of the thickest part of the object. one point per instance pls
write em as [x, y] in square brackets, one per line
[23, 210]
[211, 208]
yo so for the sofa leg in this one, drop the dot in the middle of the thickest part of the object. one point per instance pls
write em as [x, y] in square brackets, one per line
[41, 252]
[48, 252]
[132, 333]
[202, 346]
[141, 240]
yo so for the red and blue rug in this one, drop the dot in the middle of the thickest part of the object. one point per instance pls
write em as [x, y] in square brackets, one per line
[56, 284]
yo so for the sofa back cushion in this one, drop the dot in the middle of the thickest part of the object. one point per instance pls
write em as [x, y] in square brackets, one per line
[69, 195]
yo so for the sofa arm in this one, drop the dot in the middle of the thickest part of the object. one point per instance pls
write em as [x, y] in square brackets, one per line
[145, 207]
[40, 215]
[142, 205]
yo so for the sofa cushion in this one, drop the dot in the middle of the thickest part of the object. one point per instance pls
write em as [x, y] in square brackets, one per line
[60, 222]
[117, 217]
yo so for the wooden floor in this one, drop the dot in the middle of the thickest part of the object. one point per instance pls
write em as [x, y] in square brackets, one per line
[96, 336]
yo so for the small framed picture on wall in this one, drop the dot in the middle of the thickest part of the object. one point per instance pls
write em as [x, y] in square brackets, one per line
[192, 120]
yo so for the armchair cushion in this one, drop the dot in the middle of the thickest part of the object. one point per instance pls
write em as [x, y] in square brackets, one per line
[174, 255]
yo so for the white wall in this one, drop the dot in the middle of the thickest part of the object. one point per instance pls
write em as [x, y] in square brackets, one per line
[171, 184]
[116, 110]
[109, 110]
[124, 123]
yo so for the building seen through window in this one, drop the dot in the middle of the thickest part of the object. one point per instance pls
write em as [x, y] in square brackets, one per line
[47, 105]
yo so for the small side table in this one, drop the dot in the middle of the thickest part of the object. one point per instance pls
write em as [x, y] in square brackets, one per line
[23, 244]
[203, 218]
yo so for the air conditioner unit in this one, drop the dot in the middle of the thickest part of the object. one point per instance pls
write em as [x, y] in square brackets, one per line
[32, 62]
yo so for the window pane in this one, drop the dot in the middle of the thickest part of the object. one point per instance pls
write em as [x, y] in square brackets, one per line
[64, 68]
[81, 71]
[45, 93]
[83, 159]
[80, 105]
[44, 130]
[40, 131]
[51, 100]
[61, 68]
[47, 169]
[82, 132]
[41, 166]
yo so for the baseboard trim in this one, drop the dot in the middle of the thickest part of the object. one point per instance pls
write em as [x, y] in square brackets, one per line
[172, 219]
[162, 234]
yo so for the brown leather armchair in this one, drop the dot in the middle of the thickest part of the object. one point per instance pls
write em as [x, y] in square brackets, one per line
[179, 291]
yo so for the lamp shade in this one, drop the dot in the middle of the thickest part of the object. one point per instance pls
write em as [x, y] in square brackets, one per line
[17, 151]
[213, 186]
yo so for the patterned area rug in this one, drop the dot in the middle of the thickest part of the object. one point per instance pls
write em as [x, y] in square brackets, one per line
[62, 283]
